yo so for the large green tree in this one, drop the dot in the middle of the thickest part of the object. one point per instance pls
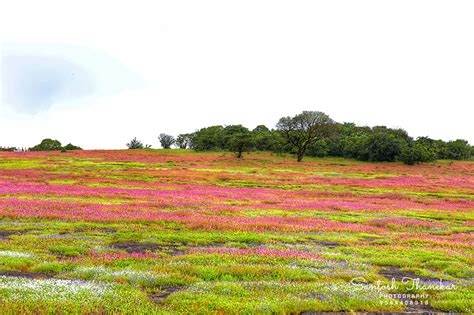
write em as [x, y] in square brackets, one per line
[238, 139]
[268, 140]
[183, 141]
[304, 129]
[208, 139]
[166, 140]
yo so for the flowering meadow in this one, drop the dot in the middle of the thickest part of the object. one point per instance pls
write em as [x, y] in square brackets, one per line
[174, 231]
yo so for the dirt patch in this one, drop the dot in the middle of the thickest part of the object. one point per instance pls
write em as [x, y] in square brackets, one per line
[249, 244]
[174, 249]
[165, 291]
[5, 235]
[327, 244]
[423, 309]
[66, 232]
[26, 274]
[396, 273]
[177, 252]
[378, 243]
[89, 230]
[210, 245]
[418, 312]
[106, 230]
[139, 247]
[371, 238]
[345, 313]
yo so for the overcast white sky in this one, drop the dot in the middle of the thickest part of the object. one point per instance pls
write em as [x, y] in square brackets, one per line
[97, 73]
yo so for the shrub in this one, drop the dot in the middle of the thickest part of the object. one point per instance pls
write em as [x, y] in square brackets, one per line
[135, 144]
[70, 146]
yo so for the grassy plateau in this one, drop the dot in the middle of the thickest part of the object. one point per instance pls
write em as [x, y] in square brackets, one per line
[173, 231]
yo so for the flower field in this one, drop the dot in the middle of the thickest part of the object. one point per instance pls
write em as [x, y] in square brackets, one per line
[173, 231]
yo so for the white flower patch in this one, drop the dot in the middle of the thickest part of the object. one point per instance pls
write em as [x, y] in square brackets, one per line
[16, 288]
[99, 248]
[125, 273]
[15, 254]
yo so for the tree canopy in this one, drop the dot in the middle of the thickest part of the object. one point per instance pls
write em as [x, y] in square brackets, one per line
[238, 139]
[315, 134]
[53, 145]
[166, 140]
[304, 129]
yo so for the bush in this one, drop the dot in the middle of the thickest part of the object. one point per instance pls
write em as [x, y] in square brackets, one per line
[70, 146]
[135, 144]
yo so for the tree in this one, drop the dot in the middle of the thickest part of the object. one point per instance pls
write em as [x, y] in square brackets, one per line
[47, 145]
[265, 139]
[208, 139]
[304, 129]
[238, 139]
[183, 141]
[166, 141]
[349, 140]
[319, 148]
[135, 144]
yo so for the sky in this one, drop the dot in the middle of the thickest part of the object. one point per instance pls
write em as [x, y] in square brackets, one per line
[98, 73]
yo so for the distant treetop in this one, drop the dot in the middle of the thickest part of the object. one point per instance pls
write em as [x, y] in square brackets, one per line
[53, 145]
[137, 144]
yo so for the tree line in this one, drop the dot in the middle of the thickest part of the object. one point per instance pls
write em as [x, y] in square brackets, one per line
[310, 133]
[45, 145]
[313, 133]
